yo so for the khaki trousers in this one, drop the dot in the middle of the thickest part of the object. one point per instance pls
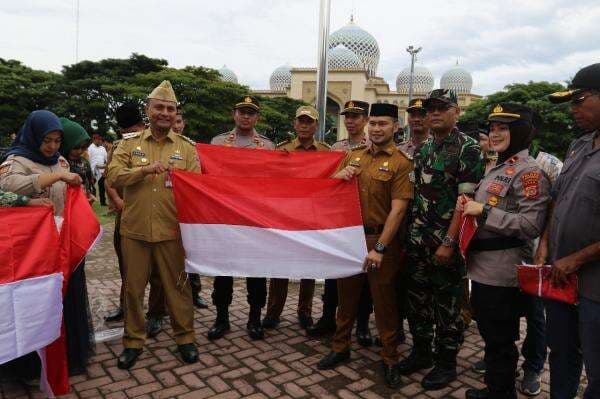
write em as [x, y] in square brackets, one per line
[278, 290]
[383, 283]
[167, 258]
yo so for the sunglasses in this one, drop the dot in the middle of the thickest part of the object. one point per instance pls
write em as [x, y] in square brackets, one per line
[442, 107]
[579, 100]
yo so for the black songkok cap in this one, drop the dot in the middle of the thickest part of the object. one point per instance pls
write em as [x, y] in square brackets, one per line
[383, 109]
[128, 115]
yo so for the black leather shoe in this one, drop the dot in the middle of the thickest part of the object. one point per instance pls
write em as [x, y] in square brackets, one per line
[270, 323]
[333, 359]
[255, 329]
[128, 357]
[115, 315]
[477, 393]
[322, 327]
[188, 352]
[364, 338]
[305, 321]
[392, 376]
[153, 327]
[218, 329]
[438, 378]
[200, 303]
[414, 362]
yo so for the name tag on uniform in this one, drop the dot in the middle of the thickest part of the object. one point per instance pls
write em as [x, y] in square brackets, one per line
[176, 157]
[138, 153]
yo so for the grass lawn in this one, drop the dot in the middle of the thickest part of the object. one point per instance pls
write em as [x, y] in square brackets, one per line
[102, 213]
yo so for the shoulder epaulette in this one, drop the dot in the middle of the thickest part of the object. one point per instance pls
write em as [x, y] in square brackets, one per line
[131, 135]
[189, 140]
[325, 144]
[407, 155]
[284, 142]
[360, 147]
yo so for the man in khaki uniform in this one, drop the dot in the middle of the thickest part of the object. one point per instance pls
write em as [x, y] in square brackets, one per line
[419, 127]
[245, 115]
[385, 191]
[305, 125]
[356, 115]
[150, 234]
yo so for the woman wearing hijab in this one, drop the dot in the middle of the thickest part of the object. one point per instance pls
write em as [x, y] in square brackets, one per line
[34, 168]
[76, 309]
[510, 205]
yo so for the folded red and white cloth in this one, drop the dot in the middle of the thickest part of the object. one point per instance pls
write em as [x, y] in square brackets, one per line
[535, 280]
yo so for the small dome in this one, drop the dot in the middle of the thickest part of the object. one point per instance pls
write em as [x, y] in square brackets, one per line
[361, 42]
[342, 58]
[457, 79]
[281, 78]
[227, 75]
[422, 80]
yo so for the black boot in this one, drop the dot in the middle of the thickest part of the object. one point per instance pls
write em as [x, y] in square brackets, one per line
[325, 325]
[333, 359]
[391, 376]
[221, 325]
[420, 358]
[254, 326]
[128, 357]
[439, 377]
[363, 333]
[188, 352]
[196, 300]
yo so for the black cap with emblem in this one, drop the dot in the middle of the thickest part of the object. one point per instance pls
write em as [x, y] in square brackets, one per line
[587, 78]
[512, 112]
[355, 107]
[415, 105]
[383, 109]
[248, 102]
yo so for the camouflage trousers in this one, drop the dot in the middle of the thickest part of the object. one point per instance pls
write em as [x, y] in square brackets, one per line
[434, 298]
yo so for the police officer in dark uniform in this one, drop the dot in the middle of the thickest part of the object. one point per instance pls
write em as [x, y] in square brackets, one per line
[245, 115]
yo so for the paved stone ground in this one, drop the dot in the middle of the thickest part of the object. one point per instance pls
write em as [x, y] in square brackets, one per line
[281, 366]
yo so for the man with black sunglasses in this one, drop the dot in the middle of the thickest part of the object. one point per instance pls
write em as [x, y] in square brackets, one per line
[447, 165]
[571, 244]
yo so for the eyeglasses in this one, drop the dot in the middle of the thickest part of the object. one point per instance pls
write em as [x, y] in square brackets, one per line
[442, 107]
[579, 100]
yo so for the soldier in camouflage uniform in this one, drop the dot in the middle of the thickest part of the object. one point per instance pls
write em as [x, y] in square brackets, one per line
[9, 199]
[448, 164]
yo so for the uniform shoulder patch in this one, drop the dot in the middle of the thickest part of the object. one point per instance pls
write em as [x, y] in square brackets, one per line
[531, 183]
[5, 166]
[131, 135]
[284, 142]
[189, 140]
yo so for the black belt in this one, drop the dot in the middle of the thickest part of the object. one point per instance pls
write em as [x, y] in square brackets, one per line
[495, 244]
[373, 229]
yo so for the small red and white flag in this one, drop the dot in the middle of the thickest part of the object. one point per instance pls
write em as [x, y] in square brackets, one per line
[269, 227]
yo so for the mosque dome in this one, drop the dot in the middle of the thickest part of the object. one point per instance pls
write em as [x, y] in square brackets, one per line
[227, 75]
[423, 81]
[457, 79]
[359, 41]
[342, 58]
[281, 78]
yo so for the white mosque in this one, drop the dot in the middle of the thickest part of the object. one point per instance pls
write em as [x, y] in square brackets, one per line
[352, 74]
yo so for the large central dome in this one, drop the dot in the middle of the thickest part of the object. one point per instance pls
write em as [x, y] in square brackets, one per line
[361, 42]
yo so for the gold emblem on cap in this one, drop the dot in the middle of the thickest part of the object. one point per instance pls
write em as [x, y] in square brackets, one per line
[351, 104]
[498, 109]
[247, 100]
[418, 103]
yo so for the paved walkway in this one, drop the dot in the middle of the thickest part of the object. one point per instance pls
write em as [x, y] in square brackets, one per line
[281, 366]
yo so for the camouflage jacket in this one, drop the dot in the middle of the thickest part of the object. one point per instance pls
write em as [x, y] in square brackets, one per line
[11, 199]
[442, 171]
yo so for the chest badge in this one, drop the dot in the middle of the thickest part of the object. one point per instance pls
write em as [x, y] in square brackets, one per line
[138, 152]
[384, 167]
[510, 171]
[176, 157]
[492, 200]
[355, 162]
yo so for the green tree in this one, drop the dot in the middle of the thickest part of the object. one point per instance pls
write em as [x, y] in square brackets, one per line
[557, 129]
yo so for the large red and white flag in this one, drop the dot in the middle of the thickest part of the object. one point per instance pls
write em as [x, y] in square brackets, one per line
[269, 227]
[232, 161]
[30, 281]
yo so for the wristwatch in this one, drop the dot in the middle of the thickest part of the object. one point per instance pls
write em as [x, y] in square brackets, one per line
[379, 248]
[449, 242]
[487, 208]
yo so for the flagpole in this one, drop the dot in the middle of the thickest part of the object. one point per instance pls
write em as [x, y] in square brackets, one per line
[321, 100]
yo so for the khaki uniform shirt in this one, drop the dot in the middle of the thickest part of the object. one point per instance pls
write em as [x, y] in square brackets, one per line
[346, 145]
[519, 193]
[234, 139]
[149, 212]
[295, 145]
[20, 175]
[382, 177]
[409, 147]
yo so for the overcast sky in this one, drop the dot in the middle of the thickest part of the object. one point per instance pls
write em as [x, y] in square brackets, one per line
[499, 41]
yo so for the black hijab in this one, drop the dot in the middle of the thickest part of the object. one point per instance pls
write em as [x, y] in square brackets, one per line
[31, 135]
[520, 139]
